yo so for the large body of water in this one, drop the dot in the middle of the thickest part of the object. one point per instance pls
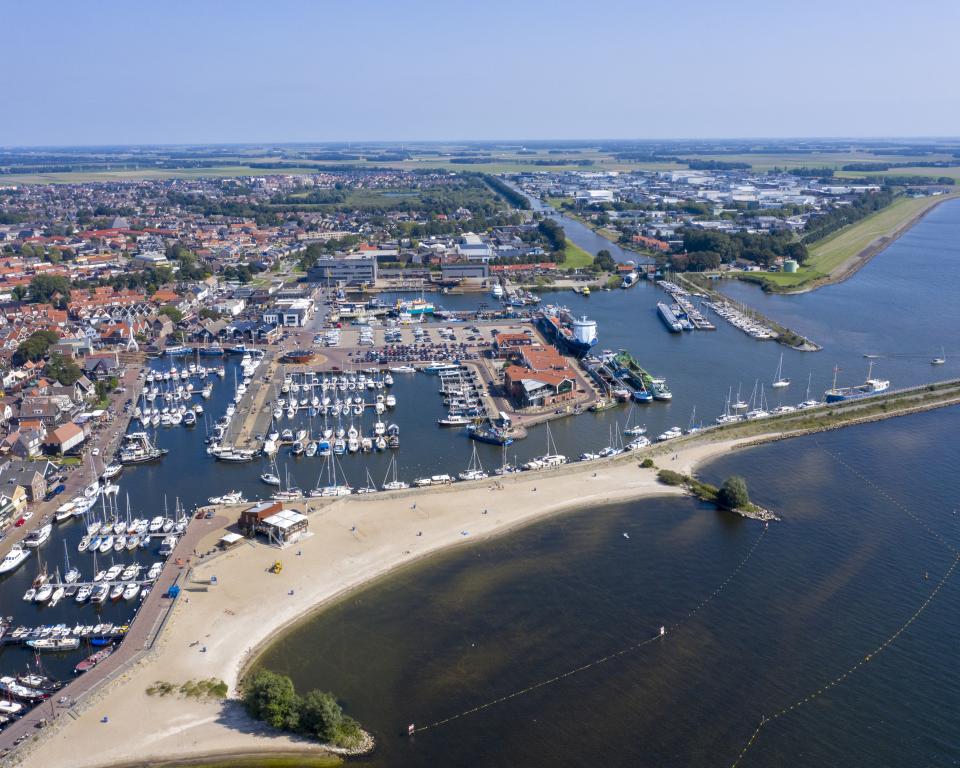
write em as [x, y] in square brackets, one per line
[834, 577]
[821, 590]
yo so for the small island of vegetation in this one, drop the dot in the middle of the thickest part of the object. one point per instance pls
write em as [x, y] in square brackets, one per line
[732, 495]
[272, 698]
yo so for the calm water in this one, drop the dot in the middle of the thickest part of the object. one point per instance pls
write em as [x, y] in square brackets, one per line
[822, 589]
[900, 306]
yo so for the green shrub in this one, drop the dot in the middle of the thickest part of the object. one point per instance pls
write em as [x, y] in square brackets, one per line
[669, 477]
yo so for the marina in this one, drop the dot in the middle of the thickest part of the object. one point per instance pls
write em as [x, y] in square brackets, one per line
[426, 451]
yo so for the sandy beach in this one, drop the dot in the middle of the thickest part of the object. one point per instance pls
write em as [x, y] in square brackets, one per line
[352, 541]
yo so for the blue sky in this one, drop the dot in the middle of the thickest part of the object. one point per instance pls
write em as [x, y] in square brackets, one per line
[239, 71]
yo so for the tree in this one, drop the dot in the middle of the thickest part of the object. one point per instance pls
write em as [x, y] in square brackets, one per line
[320, 715]
[553, 233]
[44, 287]
[271, 697]
[206, 313]
[64, 370]
[733, 493]
[172, 312]
[104, 387]
[604, 261]
[35, 347]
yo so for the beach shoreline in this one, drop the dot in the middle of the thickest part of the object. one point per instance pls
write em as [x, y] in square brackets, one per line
[354, 541]
[217, 629]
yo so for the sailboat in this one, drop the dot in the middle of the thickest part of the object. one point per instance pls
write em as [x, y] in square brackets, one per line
[550, 459]
[939, 360]
[779, 382]
[637, 429]
[760, 411]
[474, 470]
[393, 484]
[738, 404]
[370, 486]
[271, 477]
[693, 427]
[333, 487]
[291, 493]
[807, 402]
[72, 574]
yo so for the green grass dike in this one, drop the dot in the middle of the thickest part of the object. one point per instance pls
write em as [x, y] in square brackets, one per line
[841, 254]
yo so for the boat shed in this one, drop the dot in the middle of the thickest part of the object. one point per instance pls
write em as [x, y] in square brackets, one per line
[284, 527]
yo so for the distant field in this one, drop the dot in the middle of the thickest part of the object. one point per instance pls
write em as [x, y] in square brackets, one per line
[81, 177]
[952, 172]
[834, 251]
[766, 162]
[498, 162]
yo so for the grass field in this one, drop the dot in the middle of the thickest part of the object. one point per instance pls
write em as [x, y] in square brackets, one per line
[934, 173]
[503, 161]
[766, 162]
[833, 252]
[577, 258]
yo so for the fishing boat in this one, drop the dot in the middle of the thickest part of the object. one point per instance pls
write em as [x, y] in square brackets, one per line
[871, 386]
[492, 435]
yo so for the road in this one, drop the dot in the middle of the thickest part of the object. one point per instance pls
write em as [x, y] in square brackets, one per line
[105, 438]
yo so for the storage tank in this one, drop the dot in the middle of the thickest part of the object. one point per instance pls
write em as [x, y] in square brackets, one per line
[790, 265]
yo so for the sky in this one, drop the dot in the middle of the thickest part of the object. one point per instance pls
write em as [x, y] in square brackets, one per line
[241, 71]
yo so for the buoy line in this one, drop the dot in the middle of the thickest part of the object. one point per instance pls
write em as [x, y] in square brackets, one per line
[660, 634]
[833, 683]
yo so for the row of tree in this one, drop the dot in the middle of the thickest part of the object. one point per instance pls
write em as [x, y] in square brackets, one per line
[508, 193]
[840, 216]
[709, 248]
